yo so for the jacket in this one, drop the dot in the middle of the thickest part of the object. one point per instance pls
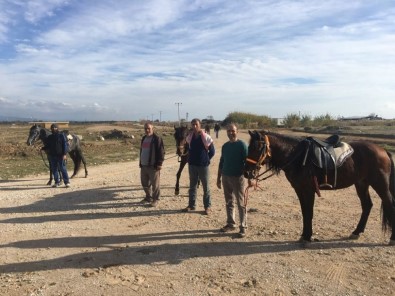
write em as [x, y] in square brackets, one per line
[56, 144]
[159, 150]
[201, 149]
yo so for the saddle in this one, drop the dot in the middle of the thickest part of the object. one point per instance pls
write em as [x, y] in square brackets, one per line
[327, 155]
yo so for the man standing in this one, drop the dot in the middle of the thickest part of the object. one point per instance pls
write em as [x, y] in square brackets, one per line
[231, 164]
[201, 150]
[152, 154]
[57, 148]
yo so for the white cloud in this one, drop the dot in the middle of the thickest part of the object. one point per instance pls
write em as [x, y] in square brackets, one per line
[127, 60]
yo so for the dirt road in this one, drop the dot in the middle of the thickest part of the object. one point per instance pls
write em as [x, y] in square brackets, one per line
[96, 238]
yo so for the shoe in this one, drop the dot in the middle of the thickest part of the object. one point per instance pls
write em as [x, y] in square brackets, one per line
[146, 199]
[154, 203]
[207, 211]
[227, 228]
[242, 233]
[55, 185]
[188, 209]
[67, 185]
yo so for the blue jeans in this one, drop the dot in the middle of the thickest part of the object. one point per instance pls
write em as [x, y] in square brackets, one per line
[197, 173]
[58, 163]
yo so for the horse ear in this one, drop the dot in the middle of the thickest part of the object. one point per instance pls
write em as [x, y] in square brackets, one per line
[250, 133]
[175, 127]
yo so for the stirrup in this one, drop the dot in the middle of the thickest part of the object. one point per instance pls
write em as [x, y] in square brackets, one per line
[326, 185]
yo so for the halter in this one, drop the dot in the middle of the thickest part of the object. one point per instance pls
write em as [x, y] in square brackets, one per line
[263, 153]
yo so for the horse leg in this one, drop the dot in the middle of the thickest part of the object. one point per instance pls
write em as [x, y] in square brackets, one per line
[50, 171]
[50, 177]
[366, 205]
[73, 157]
[306, 201]
[84, 162]
[178, 175]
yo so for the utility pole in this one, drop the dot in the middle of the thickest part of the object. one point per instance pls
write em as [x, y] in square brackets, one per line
[178, 108]
[186, 117]
[160, 116]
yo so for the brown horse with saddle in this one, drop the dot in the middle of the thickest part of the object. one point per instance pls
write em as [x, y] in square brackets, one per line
[311, 165]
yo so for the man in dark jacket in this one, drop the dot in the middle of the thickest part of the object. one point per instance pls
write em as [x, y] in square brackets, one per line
[56, 146]
[152, 155]
[201, 150]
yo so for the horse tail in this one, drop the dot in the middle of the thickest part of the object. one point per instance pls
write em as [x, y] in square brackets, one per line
[392, 179]
[386, 214]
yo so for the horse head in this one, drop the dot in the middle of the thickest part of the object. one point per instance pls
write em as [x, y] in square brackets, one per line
[180, 135]
[34, 135]
[258, 153]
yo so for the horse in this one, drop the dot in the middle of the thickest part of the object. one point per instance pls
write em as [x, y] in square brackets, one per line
[37, 133]
[368, 166]
[180, 135]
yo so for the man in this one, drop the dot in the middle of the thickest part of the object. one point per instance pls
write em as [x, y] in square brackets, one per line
[57, 148]
[231, 164]
[201, 150]
[152, 154]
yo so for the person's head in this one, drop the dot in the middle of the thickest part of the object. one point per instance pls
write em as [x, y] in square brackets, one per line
[54, 128]
[196, 125]
[231, 131]
[148, 128]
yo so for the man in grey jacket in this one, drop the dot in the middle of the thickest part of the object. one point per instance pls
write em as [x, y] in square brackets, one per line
[152, 154]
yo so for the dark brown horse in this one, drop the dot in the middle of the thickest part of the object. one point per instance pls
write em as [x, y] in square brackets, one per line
[180, 135]
[369, 165]
[37, 133]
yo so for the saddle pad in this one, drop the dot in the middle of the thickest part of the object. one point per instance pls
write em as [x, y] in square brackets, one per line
[342, 152]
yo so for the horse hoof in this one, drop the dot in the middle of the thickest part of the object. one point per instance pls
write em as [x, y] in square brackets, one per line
[49, 183]
[86, 175]
[177, 192]
[305, 243]
[392, 242]
[354, 236]
[72, 176]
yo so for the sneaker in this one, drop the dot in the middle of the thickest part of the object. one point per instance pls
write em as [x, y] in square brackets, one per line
[227, 228]
[207, 211]
[188, 209]
[55, 185]
[154, 203]
[242, 233]
[67, 185]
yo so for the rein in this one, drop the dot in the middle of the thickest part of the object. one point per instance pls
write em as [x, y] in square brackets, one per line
[42, 156]
[41, 153]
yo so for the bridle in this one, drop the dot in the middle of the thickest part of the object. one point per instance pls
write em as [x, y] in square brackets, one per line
[264, 152]
[33, 137]
[181, 144]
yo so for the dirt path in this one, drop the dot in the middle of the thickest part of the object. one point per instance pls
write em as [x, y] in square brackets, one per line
[96, 238]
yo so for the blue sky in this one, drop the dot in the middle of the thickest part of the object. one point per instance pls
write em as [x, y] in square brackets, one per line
[132, 60]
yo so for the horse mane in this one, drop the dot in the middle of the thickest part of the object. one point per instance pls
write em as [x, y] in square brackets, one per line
[284, 143]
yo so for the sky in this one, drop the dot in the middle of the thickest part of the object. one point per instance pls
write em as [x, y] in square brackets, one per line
[169, 59]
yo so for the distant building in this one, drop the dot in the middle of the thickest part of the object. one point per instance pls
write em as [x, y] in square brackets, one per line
[357, 118]
[279, 122]
[47, 124]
